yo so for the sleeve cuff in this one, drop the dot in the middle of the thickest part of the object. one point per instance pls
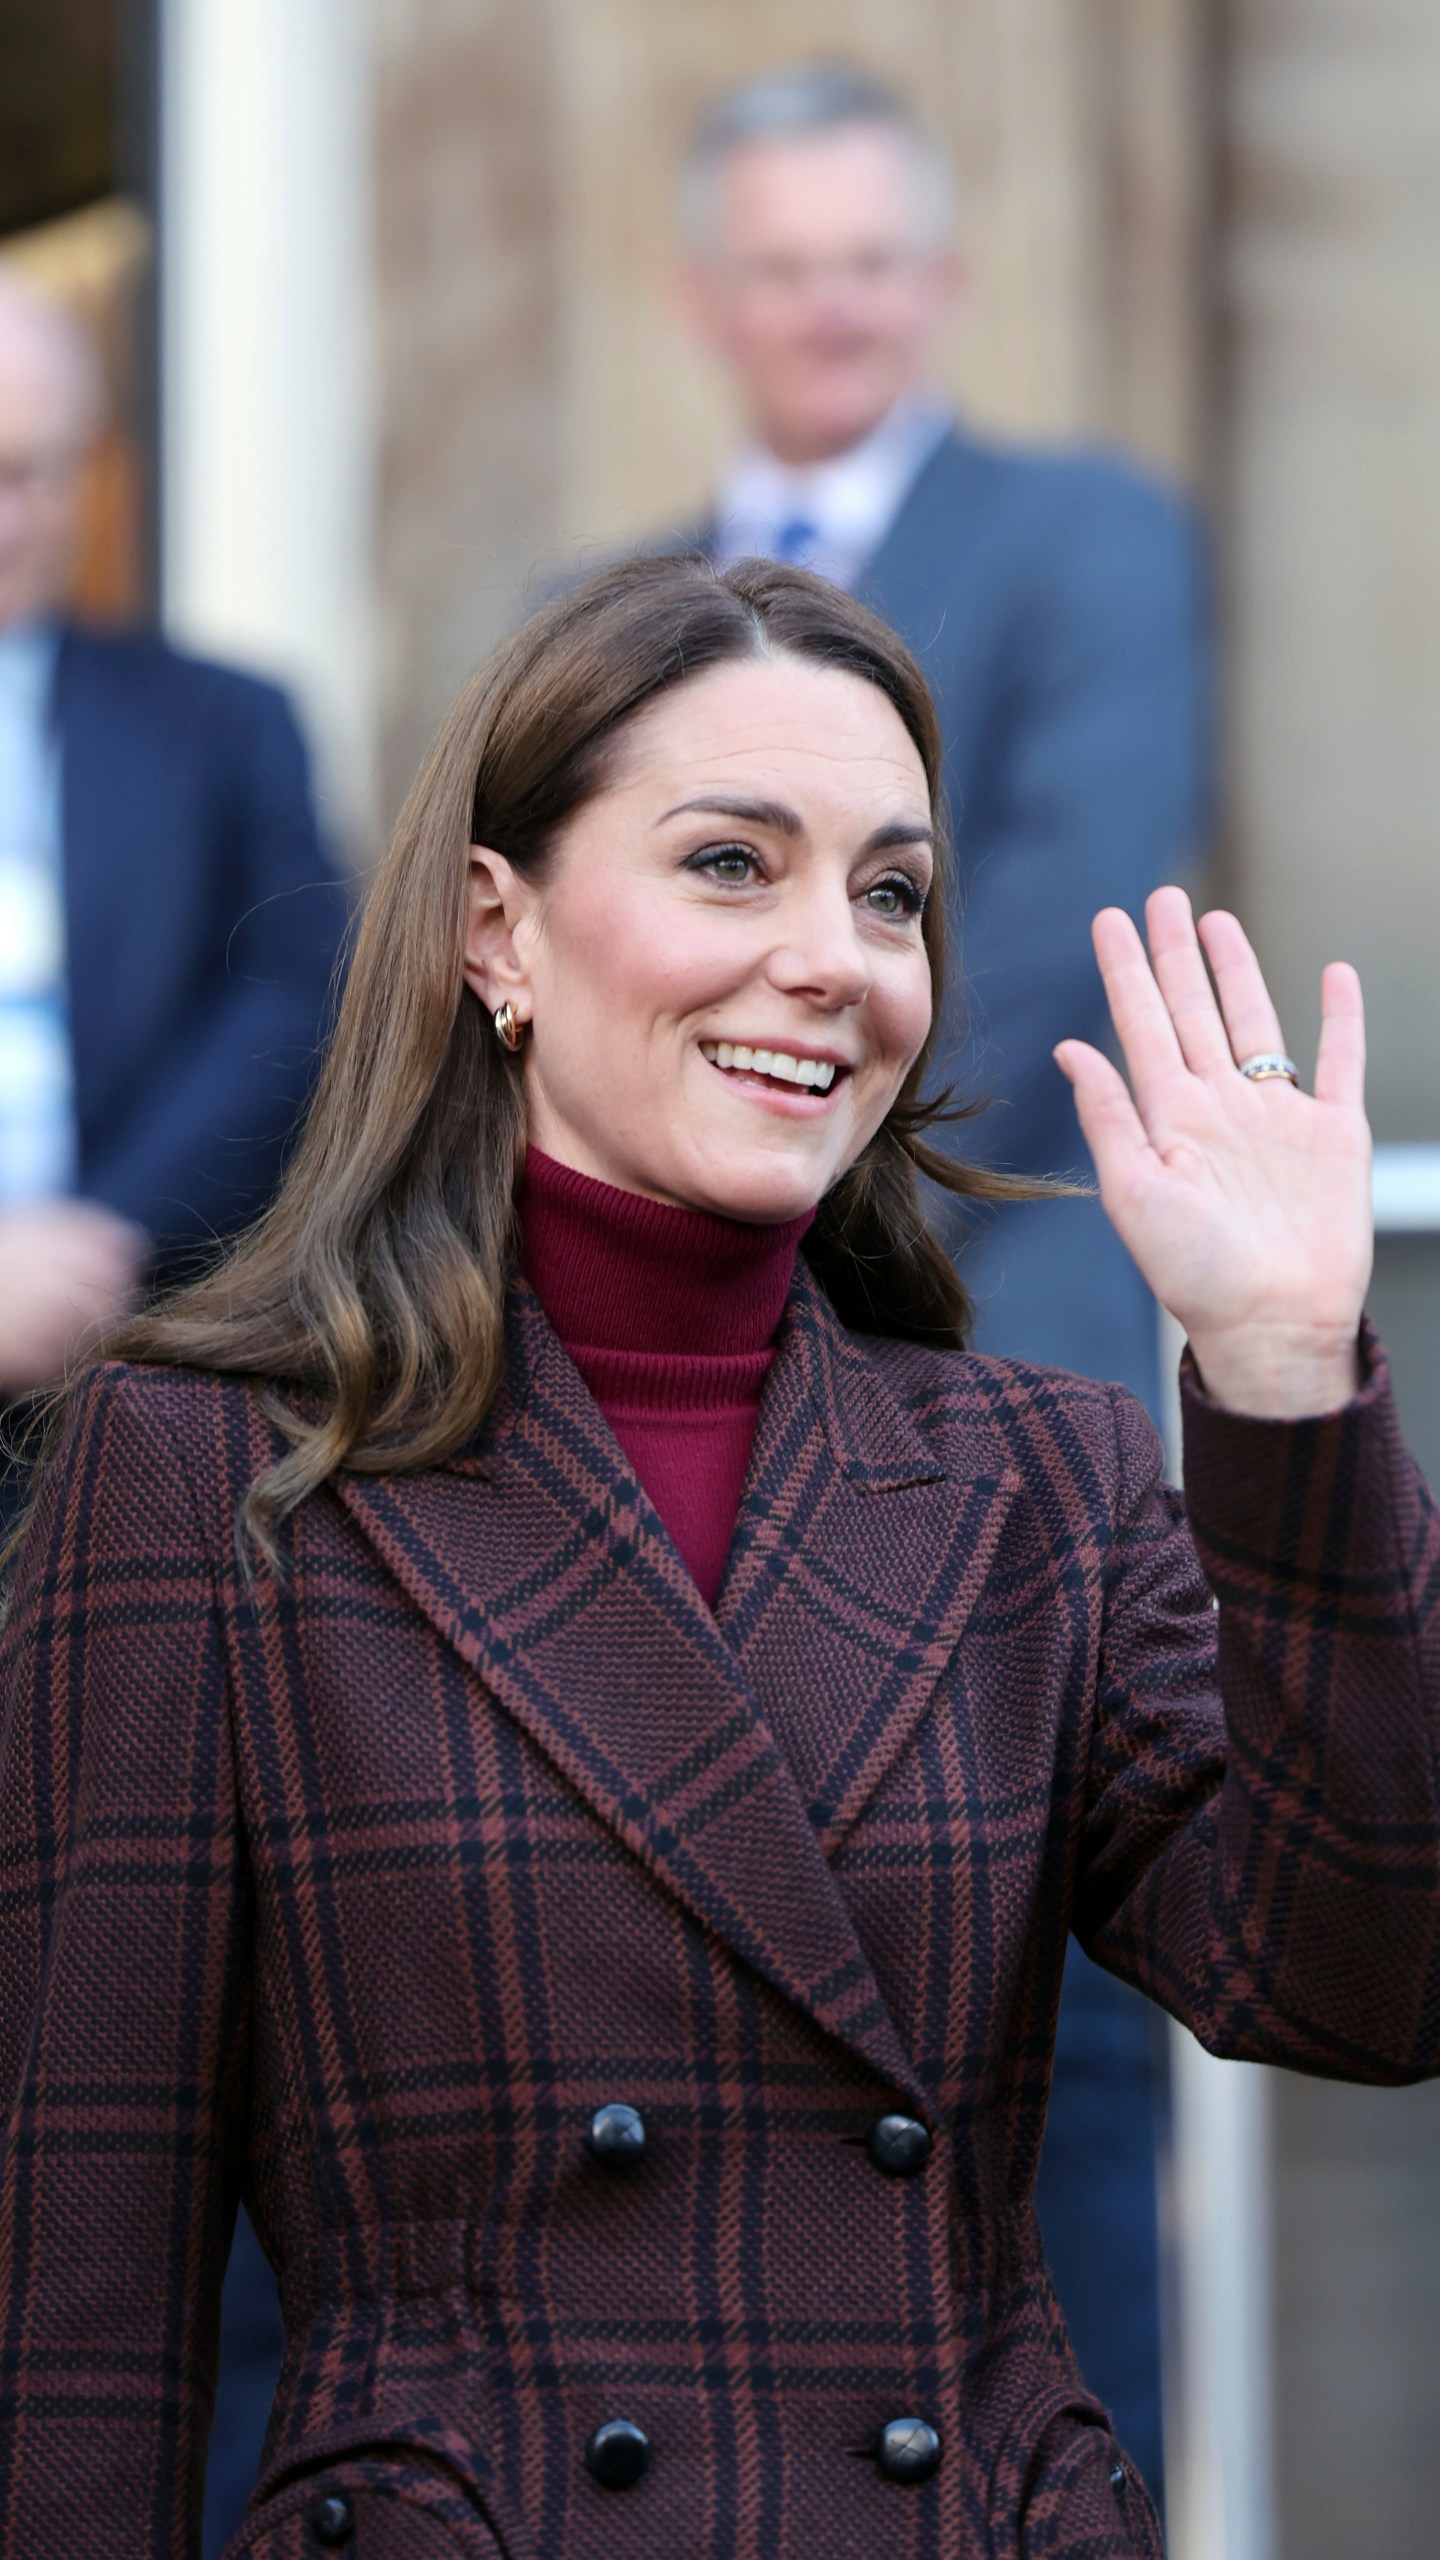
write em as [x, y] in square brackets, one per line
[1257, 1488]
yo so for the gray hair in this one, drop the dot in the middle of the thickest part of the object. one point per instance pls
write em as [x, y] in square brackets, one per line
[799, 103]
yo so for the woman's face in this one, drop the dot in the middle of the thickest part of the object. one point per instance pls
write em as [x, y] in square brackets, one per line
[723, 973]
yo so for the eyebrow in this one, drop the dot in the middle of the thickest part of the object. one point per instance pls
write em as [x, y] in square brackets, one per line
[787, 822]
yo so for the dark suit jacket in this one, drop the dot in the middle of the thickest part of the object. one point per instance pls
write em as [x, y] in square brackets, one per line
[1056, 602]
[363, 1895]
[203, 920]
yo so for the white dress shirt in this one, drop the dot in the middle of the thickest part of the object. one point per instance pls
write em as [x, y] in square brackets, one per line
[846, 506]
[37, 1099]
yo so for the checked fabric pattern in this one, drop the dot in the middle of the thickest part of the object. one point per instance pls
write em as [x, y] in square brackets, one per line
[359, 1894]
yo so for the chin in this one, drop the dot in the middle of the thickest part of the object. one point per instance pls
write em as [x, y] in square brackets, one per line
[761, 1195]
[841, 414]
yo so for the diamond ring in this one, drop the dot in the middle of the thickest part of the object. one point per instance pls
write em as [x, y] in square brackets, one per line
[1268, 1063]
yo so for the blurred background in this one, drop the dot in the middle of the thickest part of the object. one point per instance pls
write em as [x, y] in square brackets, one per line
[384, 298]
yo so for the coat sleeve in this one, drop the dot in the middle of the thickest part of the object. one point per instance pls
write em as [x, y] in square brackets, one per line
[1261, 1845]
[122, 1999]
[204, 1142]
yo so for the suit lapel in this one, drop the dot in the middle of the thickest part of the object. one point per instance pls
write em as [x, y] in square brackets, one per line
[541, 1560]
[898, 581]
[856, 1552]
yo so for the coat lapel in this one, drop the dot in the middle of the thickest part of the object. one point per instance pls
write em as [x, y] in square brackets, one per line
[540, 1558]
[857, 1551]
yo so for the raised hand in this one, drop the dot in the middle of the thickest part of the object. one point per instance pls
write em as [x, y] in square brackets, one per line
[1246, 1205]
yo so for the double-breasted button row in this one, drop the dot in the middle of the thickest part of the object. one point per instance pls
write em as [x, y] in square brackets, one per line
[898, 2145]
[618, 2452]
[907, 2451]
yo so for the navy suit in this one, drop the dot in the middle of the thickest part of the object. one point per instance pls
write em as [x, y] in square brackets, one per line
[202, 920]
[1056, 602]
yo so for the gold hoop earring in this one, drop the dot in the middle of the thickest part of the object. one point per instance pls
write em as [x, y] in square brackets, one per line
[509, 1029]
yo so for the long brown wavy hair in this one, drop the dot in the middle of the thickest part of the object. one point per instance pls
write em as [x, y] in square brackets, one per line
[368, 1301]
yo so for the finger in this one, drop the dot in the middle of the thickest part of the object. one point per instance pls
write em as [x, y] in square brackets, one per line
[1137, 1008]
[1251, 1021]
[1340, 1058]
[1112, 1127]
[1184, 982]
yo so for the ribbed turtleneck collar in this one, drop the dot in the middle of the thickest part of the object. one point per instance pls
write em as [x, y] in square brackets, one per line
[616, 1272]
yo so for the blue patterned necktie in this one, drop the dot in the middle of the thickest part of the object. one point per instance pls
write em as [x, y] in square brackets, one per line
[797, 542]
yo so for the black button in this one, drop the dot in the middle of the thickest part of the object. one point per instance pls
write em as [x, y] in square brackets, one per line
[617, 2454]
[1119, 2478]
[332, 2522]
[898, 2145]
[908, 2451]
[617, 2136]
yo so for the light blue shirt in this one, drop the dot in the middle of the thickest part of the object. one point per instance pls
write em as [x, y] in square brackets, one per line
[37, 1084]
[831, 516]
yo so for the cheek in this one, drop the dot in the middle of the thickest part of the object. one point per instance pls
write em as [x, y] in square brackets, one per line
[901, 317]
[901, 1002]
[616, 961]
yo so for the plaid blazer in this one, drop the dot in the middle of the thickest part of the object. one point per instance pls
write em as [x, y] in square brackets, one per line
[361, 1895]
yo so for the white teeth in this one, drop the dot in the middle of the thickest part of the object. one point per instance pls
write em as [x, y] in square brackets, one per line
[818, 1074]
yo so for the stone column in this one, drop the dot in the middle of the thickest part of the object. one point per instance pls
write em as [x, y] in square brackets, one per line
[265, 290]
[467, 141]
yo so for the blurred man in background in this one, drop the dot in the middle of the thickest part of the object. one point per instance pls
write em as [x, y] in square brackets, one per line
[1056, 603]
[168, 922]
[168, 927]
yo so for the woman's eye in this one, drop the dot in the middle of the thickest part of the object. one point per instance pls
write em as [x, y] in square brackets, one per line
[896, 896]
[731, 863]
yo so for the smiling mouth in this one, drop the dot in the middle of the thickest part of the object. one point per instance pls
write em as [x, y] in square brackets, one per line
[807, 1075]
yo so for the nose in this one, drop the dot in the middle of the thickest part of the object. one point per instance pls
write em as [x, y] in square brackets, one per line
[821, 958]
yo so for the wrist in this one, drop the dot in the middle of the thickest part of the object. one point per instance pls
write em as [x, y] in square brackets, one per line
[1279, 1373]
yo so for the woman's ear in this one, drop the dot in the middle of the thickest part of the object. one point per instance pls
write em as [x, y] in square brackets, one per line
[500, 901]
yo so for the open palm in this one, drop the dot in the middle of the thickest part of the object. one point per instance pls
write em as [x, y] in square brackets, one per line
[1246, 1205]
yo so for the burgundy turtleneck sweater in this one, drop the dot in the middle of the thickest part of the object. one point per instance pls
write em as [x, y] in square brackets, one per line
[670, 1317]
